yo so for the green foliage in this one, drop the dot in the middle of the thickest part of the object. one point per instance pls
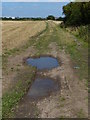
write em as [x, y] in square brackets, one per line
[60, 19]
[77, 13]
[23, 19]
[81, 32]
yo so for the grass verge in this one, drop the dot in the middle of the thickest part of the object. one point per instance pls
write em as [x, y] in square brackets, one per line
[11, 98]
[78, 50]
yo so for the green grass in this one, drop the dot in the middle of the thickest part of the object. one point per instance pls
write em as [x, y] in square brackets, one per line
[12, 51]
[11, 98]
[62, 100]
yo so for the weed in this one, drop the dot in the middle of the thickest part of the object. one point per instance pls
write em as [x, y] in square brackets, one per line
[62, 99]
[80, 114]
[62, 117]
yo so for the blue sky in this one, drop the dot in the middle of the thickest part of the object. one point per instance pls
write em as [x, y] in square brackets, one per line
[32, 9]
[37, 0]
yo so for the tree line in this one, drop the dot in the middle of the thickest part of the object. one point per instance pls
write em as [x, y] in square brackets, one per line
[50, 17]
[24, 18]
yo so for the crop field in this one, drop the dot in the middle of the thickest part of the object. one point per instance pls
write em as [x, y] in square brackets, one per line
[69, 54]
[17, 33]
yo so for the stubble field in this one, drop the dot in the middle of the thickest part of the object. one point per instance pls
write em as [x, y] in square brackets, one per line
[17, 33]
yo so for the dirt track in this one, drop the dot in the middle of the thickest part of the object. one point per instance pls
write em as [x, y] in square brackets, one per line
[70, 101]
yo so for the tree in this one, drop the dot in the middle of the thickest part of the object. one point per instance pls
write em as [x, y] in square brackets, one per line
[50, 17]
[77, 13]
[60, 19]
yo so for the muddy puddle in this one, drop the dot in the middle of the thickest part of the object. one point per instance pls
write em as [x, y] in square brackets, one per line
[43, 63]
[43, 87]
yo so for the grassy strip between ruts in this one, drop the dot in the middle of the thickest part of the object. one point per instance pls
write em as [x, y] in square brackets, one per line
[11, 98]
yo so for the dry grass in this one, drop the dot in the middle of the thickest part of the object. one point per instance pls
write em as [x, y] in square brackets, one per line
[17, 33]
[58, 22]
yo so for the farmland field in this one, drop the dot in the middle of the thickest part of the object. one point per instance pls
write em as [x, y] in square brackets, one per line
[24, 39]
[16, 34]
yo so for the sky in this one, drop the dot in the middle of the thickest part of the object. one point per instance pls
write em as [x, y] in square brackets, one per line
[37, 0]
[32, 9]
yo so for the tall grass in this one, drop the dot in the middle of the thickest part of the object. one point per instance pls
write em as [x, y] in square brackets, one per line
[83, 32]
[80, 32]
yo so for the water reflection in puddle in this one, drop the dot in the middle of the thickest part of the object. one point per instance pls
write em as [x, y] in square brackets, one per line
[43, 87]
[43, 62]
